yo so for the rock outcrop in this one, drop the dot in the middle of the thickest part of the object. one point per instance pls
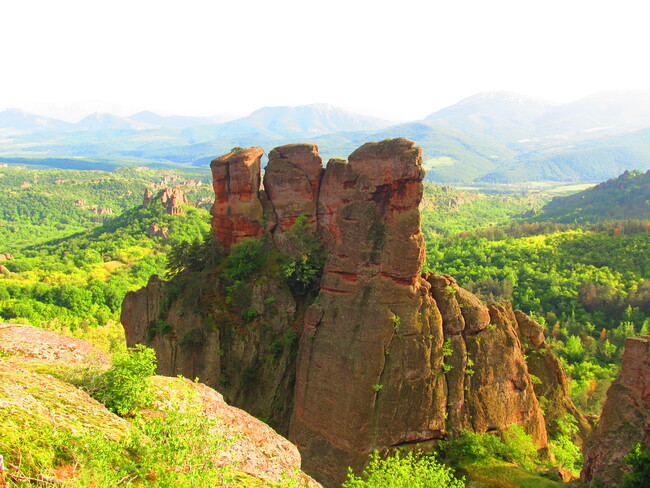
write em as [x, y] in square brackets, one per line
[41, 404]
[146, 199]
[173, 199]
[237, 210]
[625, 420]
[33, 344]
[155, 230]
[380, 355]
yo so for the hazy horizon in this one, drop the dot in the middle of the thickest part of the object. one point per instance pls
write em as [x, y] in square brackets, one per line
[82, 109]
[396, 62]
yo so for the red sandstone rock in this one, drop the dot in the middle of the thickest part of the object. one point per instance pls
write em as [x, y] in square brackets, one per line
[553, 384]
[146, 199]
[292, 181]
[172, 199]
[625, 420]
[387, 356]
[531, 330]
[24, 343]
[155, 230]
[237, 210]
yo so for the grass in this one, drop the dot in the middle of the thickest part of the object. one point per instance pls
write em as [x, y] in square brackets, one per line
[500, 474]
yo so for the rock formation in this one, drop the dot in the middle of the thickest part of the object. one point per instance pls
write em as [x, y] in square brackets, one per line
[386, 355]
[625, 420]
[172, 199]
[148, 195]
[237, 210]
[155, 230]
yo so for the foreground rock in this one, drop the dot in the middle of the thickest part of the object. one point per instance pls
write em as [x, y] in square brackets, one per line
[625, 420]
[35, 406]
[32, 344]
[386, 356]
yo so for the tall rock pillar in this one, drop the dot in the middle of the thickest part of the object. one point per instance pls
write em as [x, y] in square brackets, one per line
[371, 341]
[237, 210]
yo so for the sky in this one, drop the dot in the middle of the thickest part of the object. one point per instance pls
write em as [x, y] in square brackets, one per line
[398, 60]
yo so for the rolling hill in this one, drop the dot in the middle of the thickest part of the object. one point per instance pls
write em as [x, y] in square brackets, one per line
[624, 197]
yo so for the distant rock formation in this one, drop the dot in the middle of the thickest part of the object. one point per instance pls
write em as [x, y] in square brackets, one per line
[386, 356]
[146, 199]
[101, 210]
[155, 230]
[172, 199]
[625, 420]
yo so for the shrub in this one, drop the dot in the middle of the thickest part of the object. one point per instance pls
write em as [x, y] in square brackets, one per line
[304, 271]
[195, 255]
[519, 447]
[245, 259]
[400, 471]
[565, 451]
[193, 338]
[639, 459]
[159, 326]
[123, 386]
[249, 314]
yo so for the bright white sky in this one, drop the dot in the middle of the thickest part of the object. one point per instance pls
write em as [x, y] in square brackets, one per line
[399, 59]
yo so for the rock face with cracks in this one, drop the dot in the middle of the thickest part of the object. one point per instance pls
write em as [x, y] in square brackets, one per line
[625, 420]
[380, 355]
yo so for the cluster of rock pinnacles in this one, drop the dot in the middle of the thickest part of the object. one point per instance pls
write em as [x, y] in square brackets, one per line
[386, 355]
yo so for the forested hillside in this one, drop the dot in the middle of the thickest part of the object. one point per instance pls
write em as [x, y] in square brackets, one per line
[74, 242]
[39, 204]
[624, 197]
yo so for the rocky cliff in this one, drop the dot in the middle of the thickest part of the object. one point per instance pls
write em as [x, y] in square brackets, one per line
[377, 354]
[625, 420]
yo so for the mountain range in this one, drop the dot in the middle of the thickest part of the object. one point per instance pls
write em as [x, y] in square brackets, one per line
[492, 137]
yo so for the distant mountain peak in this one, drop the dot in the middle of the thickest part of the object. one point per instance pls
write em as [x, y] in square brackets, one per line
[304, 120]
[20, 121]
[106, 121]
[504, 96]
